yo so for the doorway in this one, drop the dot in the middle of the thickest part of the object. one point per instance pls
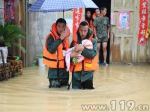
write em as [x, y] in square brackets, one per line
[107, 4]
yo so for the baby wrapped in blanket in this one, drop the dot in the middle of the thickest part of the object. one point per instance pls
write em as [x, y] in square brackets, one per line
[86, 43]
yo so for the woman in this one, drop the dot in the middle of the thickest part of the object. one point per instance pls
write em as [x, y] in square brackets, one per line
[89, 20]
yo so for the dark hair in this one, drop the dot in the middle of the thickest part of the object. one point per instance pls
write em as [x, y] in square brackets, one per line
[83, 23]
[97, 9]
[102, 8]
[61, 20]
[88, 11]
[88, 18]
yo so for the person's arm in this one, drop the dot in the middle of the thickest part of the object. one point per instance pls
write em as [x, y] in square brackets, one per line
[108, 31]
[73, 54]
[108, 27]
[94, 25]
[53, 45]
[95, 33]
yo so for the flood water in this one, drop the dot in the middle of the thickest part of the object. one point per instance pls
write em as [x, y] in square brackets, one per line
[129, 85]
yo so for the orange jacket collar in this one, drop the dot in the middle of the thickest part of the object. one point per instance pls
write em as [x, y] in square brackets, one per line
[75, 39]
[54, 31]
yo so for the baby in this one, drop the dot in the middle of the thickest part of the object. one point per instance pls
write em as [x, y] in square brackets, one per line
[86, 43]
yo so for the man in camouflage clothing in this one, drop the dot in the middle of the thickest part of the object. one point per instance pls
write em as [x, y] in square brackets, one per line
[101, 29]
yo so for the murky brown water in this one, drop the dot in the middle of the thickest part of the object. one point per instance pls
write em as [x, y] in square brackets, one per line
[30, 92]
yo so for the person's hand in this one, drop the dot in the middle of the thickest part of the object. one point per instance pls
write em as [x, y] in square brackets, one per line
[79, 47]
[96, 37]
[63, 35]
[74, 55]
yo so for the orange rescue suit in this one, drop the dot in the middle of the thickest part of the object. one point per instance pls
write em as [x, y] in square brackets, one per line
[56, 60]
[94, 16]
[90, 25]
[86, 64]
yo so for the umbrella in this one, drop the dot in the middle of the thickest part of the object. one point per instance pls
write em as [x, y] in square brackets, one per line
[60, 5]
[89, 4]
[55, 5]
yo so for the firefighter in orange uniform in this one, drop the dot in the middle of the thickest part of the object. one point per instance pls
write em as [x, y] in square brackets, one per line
[82, 73]
[54, 54]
